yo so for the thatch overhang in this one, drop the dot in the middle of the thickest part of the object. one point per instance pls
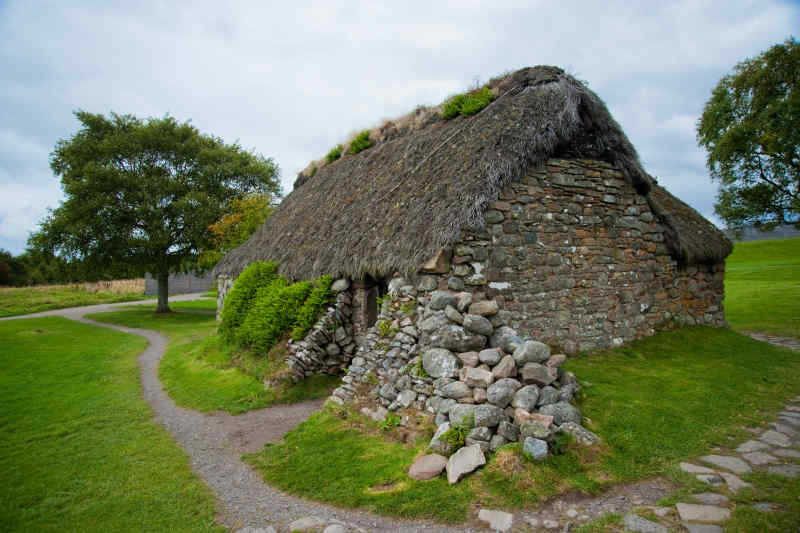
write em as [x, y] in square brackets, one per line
[391, 207]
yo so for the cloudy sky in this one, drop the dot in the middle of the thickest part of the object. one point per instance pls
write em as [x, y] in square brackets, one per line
[292, 79]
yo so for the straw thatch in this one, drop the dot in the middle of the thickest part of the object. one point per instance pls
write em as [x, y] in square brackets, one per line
[391, 207]
[691, 238]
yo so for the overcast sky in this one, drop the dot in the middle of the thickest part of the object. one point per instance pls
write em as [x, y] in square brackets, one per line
[291, 81]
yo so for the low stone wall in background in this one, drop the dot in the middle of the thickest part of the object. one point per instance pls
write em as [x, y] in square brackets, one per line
[182, 283]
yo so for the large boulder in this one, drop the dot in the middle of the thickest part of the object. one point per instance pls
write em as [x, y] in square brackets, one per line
[477, 377]
[548, 395]
[484, 308]
[427, 467]
[461, 413]
[508, 430]
[535, 449]
[526, 398]
[506, 368]
[502, 391]
[457, 339]
[464, 461]
[562, 412]
[441, 299]
[487, 415]
[536, 374]
[500, 336]
[434, 322]
[469, 358]
[483, 415]
[537, 428]
[478, 324]
[437, 443]
[490, 356]
[388, 392]
[453, 315]
[456, 390]
[440, 363]
[531, 352]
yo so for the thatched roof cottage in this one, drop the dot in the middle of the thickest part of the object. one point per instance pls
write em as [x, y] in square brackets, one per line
[538, 202]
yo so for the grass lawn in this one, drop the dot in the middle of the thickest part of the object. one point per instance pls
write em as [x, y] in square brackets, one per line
[762, 287]
[778, 490]
[79, 449]
[199, 372]
[24, 300]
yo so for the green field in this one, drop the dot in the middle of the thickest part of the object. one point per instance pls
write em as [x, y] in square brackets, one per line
[79, 448]
[762, 287]
[25, 300]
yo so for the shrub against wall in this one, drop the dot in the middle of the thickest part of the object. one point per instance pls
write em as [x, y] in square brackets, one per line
[263, 306]
[241, 296]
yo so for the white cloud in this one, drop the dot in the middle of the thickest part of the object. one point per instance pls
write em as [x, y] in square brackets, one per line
[291, 81]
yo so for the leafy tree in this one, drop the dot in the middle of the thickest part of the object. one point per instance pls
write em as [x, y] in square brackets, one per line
[142, 193]
[751, 130]
[6, 275]
[244, 216]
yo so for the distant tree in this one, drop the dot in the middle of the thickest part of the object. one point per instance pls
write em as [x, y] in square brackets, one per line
[244, 216]
[751, 130]
[143, 193]
[6, 277]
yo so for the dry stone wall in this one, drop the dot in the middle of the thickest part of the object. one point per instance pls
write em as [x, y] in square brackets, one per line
[329, 345]
[575, 258]
[438, 351]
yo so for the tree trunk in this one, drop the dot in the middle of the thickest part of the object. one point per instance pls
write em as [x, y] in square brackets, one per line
[163, 293]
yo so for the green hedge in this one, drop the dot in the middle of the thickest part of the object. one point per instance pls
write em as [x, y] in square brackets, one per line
[263, 307]
[239, 299]
[319, 297]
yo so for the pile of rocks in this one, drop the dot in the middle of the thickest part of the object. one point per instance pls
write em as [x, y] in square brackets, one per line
[445, 354]
[329, 345]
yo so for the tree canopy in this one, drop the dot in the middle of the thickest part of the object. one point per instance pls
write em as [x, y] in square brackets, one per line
[244, 216]
[143, 193]
[751, 130]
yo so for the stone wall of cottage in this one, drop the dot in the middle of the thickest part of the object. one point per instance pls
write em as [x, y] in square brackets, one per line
[576, 259]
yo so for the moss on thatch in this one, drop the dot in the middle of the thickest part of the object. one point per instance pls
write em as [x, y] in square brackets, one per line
[393, 206]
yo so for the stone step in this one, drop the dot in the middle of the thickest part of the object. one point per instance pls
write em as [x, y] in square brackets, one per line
[728, 462]
[692, 512]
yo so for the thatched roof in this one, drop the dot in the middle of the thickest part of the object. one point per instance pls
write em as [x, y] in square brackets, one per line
[392, 206]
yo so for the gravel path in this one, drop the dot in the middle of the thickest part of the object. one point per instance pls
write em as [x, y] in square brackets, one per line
[215, 442]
